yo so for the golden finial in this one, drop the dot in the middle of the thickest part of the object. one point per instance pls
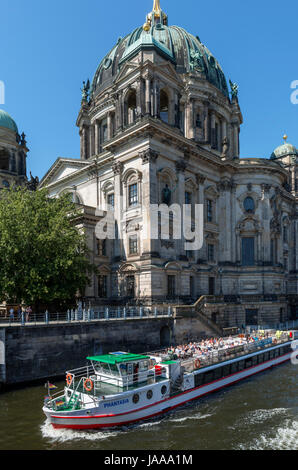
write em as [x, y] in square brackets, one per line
[156, 6]
[285, 137]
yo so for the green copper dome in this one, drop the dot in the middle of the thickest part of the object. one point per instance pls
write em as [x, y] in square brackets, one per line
[284, 150]
[7, 121]
[182, 49]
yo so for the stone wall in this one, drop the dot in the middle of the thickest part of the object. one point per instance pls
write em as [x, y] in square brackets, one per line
[40, 352]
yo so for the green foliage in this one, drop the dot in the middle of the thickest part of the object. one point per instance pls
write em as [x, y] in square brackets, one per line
[43, 255]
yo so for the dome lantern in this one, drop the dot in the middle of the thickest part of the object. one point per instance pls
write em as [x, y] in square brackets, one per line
[157, 16]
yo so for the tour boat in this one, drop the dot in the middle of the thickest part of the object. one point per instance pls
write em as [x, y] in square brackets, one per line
[122, 388]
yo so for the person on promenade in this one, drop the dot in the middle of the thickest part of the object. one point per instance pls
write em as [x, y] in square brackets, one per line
[19, 312]
[28, 313]
[11, 314]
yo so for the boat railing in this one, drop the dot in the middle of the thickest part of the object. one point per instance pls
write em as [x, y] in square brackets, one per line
[214, 357]
[77, 378]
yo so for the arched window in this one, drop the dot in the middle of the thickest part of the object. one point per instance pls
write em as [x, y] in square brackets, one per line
[4, 160]
[73, 196]
[249, 205]
[164, 106]
[131, 105]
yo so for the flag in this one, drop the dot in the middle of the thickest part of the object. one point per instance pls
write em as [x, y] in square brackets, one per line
[51, 386]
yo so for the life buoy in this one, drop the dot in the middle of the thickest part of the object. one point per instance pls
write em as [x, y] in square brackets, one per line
[197, 363]
[88, 385]
[69, 379]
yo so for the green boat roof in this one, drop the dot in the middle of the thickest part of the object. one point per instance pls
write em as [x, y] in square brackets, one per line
[118, 358]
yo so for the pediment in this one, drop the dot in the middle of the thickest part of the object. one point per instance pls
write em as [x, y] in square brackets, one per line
[127, 69]
[63, 168]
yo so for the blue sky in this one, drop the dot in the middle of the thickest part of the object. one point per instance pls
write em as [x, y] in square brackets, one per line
[49, 47]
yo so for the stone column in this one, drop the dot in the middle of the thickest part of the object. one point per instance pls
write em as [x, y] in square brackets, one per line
[148, 95]
[149, 196]
[190, 119]
[139, 97]
[85, 142]
[266, 221]
[92, 140]
[180, 169]
[118, 208]
[206, 122]
[96, 137]
[236, 140]
[213, 137]
[109, 125]
[233, 223]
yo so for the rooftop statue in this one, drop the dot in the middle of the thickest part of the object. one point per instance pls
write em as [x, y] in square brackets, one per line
[234, 89]
[85, 90]
[33, 183]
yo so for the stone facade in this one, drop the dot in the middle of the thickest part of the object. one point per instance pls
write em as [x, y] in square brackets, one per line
[159, 121]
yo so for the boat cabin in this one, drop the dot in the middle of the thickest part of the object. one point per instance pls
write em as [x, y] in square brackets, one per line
[122, 369]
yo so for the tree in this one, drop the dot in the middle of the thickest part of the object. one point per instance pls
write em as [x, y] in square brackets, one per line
[43, 255]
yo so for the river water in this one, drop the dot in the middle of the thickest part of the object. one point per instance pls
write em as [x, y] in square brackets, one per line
[258, 413]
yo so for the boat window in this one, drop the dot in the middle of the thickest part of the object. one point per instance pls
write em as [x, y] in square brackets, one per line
[241, 365]
[198, 380]
[276, 353]
[218, 373]
[271, 354]
[261, 358]
[208, 377]
[149, 394]
[288, 348]
[254, 360]
[266, 356]
[234, 367]
[226, 370]
[123, 369]
[248, 363]
[163, 390]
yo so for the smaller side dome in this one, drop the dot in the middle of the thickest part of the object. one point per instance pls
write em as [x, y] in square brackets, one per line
[284, 150]
[7, 122]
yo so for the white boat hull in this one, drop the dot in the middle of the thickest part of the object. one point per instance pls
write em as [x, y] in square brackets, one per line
[95, 418]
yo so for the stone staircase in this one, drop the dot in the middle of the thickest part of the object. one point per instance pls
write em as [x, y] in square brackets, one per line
[197, 310]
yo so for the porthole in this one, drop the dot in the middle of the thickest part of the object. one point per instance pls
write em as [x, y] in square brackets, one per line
[163, 390]
[107, 63]
[136, 398]
[149, 394]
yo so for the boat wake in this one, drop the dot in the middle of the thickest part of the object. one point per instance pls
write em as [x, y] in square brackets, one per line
[64, 435]
[284, 438]
[281, 436]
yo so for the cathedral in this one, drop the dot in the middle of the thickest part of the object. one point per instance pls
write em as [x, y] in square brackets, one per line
[160, 124]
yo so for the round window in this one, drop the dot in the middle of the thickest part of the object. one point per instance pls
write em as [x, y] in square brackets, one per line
[136, 398]
[249, 204]
[149, 394]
